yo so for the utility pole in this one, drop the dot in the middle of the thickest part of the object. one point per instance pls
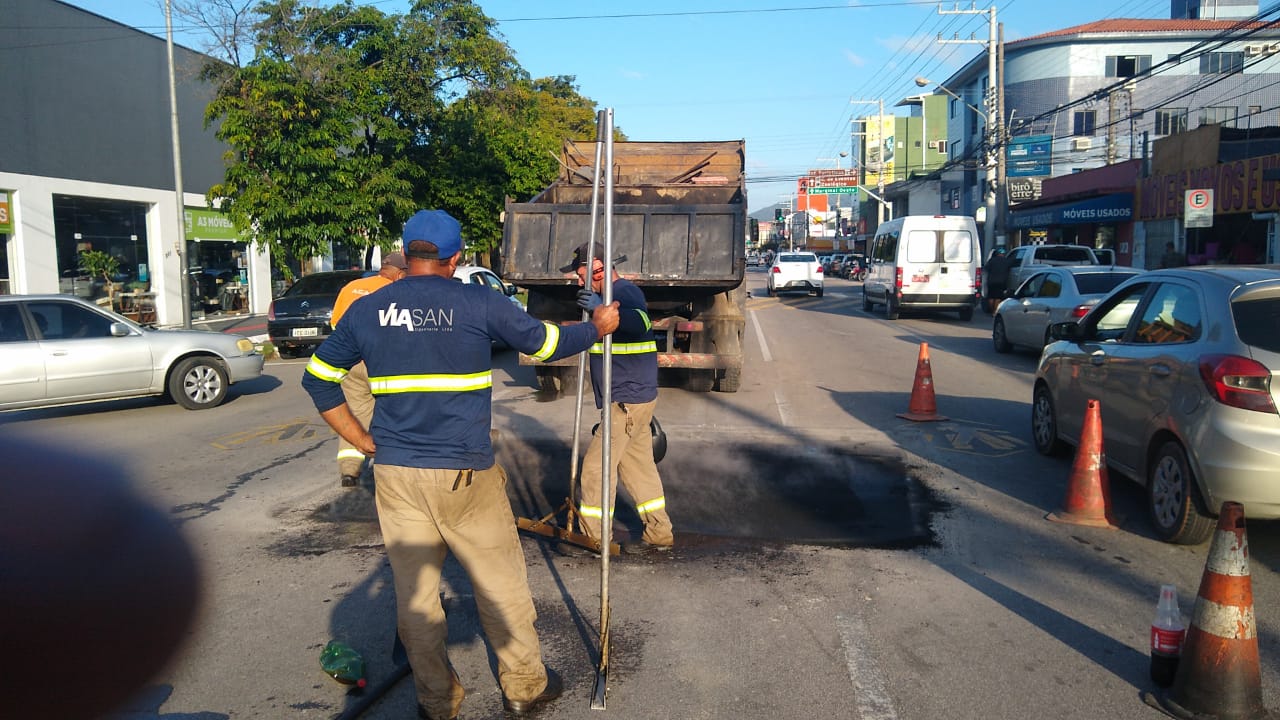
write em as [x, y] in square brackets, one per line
[992, 101]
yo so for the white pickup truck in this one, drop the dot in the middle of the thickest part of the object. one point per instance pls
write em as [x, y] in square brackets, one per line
[798, 271]
[1026, 260]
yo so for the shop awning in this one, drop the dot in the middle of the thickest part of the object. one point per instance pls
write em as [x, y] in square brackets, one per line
[1115, 208]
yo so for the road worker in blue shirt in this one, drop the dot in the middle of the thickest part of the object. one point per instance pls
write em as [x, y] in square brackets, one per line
[633, 397]
[426, 342]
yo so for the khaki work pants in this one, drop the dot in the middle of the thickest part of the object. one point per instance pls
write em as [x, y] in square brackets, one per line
[427, 514]
[355, 386]
[631, 455]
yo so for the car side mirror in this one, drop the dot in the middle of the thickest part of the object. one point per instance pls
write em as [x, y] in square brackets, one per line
[510, 289]
[119, 329]
[1069, 331]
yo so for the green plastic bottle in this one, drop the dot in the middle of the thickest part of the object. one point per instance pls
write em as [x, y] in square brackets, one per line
[342, 663]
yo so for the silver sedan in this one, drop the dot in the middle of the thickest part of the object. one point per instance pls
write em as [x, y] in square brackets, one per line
[59, 349]
[1182, 362]
[1052, 295]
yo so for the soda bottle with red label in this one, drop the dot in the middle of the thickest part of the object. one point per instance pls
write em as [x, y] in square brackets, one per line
[1167, 634]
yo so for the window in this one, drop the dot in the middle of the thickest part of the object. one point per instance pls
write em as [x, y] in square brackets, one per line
[65, 321]
[1171, 120]
[1225, 116]
[1083, 122]
[954, 108]
[1052, 286]
[1127, 65]
[1112, 319]
[1221, 63]
[11, 327]
[1172, 316]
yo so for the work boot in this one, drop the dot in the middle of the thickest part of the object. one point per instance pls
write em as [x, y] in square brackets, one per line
[422, 713]
[644, 547]
[570, 550]
[552, 691]
[350, 481]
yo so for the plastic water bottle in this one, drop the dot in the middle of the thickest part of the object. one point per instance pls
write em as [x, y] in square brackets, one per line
[1167, 634]
[342, 663]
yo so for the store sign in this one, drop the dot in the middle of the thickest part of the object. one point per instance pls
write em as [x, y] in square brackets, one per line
[1103, 210]
[1024, 189]
[1239, 186]
[6, 215]
[1029, 156]
[202, 224]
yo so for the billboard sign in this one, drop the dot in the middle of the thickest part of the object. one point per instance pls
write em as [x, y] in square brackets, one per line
[1029, 156]
[6, 216]
[879, 149]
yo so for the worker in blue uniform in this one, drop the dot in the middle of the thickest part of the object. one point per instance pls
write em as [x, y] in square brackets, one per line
[633, 398]
[426, 342]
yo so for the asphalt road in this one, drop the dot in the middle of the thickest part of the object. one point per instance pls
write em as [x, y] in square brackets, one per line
[832, 560]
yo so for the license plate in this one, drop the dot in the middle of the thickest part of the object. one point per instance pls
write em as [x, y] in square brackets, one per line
[919, 278]
[305, 332]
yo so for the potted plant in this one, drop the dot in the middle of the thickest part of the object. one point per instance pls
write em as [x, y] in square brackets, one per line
[100, 263]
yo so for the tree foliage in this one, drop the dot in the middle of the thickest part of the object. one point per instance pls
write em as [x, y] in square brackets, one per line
[502, 142]
[327, 124]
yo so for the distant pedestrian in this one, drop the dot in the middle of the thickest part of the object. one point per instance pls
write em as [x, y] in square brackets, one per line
[355, 386]
[427, 341]
[1172, 258]
[995, 278]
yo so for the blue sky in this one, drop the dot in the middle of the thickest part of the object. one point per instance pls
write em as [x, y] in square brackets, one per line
[781, 75]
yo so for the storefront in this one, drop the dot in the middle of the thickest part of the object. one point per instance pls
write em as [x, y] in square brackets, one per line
[1102, 222]
[217, 265]
[115, 230]
[1242, 180]
[6, 230]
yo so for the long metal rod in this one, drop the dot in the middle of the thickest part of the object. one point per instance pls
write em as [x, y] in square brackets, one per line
[606, 424]
[179, 243]
[582, 356]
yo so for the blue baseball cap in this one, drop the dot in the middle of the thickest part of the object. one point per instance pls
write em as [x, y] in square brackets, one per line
[436, 227]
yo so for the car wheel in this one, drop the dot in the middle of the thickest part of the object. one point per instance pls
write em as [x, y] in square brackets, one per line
[771, 291]
[867, 305]
[198, 383]
[1177, 511]
[890, 309]
[966, 314]
[818, 292]
[998, 337]
[1044, 423]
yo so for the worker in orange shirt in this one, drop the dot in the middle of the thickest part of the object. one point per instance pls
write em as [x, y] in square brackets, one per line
[356, 384]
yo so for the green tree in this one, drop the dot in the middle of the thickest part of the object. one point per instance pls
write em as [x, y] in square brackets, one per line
[500, 142]
[328, 123]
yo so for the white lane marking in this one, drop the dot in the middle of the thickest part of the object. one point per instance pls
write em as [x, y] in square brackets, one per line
[784, 408]
[868, 685]
[764, 347]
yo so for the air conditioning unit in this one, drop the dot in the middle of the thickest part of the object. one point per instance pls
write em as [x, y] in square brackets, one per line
[939, 145]
[1081, 143]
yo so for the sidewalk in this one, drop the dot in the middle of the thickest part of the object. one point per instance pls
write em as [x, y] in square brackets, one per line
[253, 327]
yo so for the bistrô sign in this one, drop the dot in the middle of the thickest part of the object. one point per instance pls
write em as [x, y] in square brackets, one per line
[1238, 188]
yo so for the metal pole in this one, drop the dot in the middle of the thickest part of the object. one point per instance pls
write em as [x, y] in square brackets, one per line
[179, 244]
[993, 122]
[606, 426]
[880, 219]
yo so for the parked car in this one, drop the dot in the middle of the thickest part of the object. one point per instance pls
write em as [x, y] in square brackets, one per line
[831, 262]
[1052, 295]
[60, 349]
[298, 320]
[478, 275]
[1181, 361]
[792, 271]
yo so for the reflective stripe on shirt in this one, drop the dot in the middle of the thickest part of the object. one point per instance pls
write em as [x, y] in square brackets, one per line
[635, 348]
[648, 325]
[430, 383]
[325, 371]
[550, 343]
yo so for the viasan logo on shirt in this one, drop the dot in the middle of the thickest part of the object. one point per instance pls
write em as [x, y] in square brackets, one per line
[416, 319]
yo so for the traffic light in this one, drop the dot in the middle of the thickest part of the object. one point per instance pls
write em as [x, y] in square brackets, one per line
[777, 214]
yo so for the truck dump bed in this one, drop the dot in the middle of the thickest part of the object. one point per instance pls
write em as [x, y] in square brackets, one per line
[679, 216]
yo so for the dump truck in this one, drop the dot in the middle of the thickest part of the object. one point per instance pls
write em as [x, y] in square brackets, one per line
[679, 233]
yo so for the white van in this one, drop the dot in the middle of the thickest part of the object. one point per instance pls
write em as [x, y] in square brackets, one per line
[926, 262]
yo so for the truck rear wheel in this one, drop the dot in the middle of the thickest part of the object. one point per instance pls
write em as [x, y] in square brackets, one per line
[700, 381]
[558, 379]
[730, 381]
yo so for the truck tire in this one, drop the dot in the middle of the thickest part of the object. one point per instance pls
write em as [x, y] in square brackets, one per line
[558, 379]
[730, 380]
[890, 309]
[699, 380]
[867, 305]
[966, 313]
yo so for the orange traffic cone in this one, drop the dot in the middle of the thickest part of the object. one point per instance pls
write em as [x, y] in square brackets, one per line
[1088, 500]
[921, 407]
[1219, 675]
